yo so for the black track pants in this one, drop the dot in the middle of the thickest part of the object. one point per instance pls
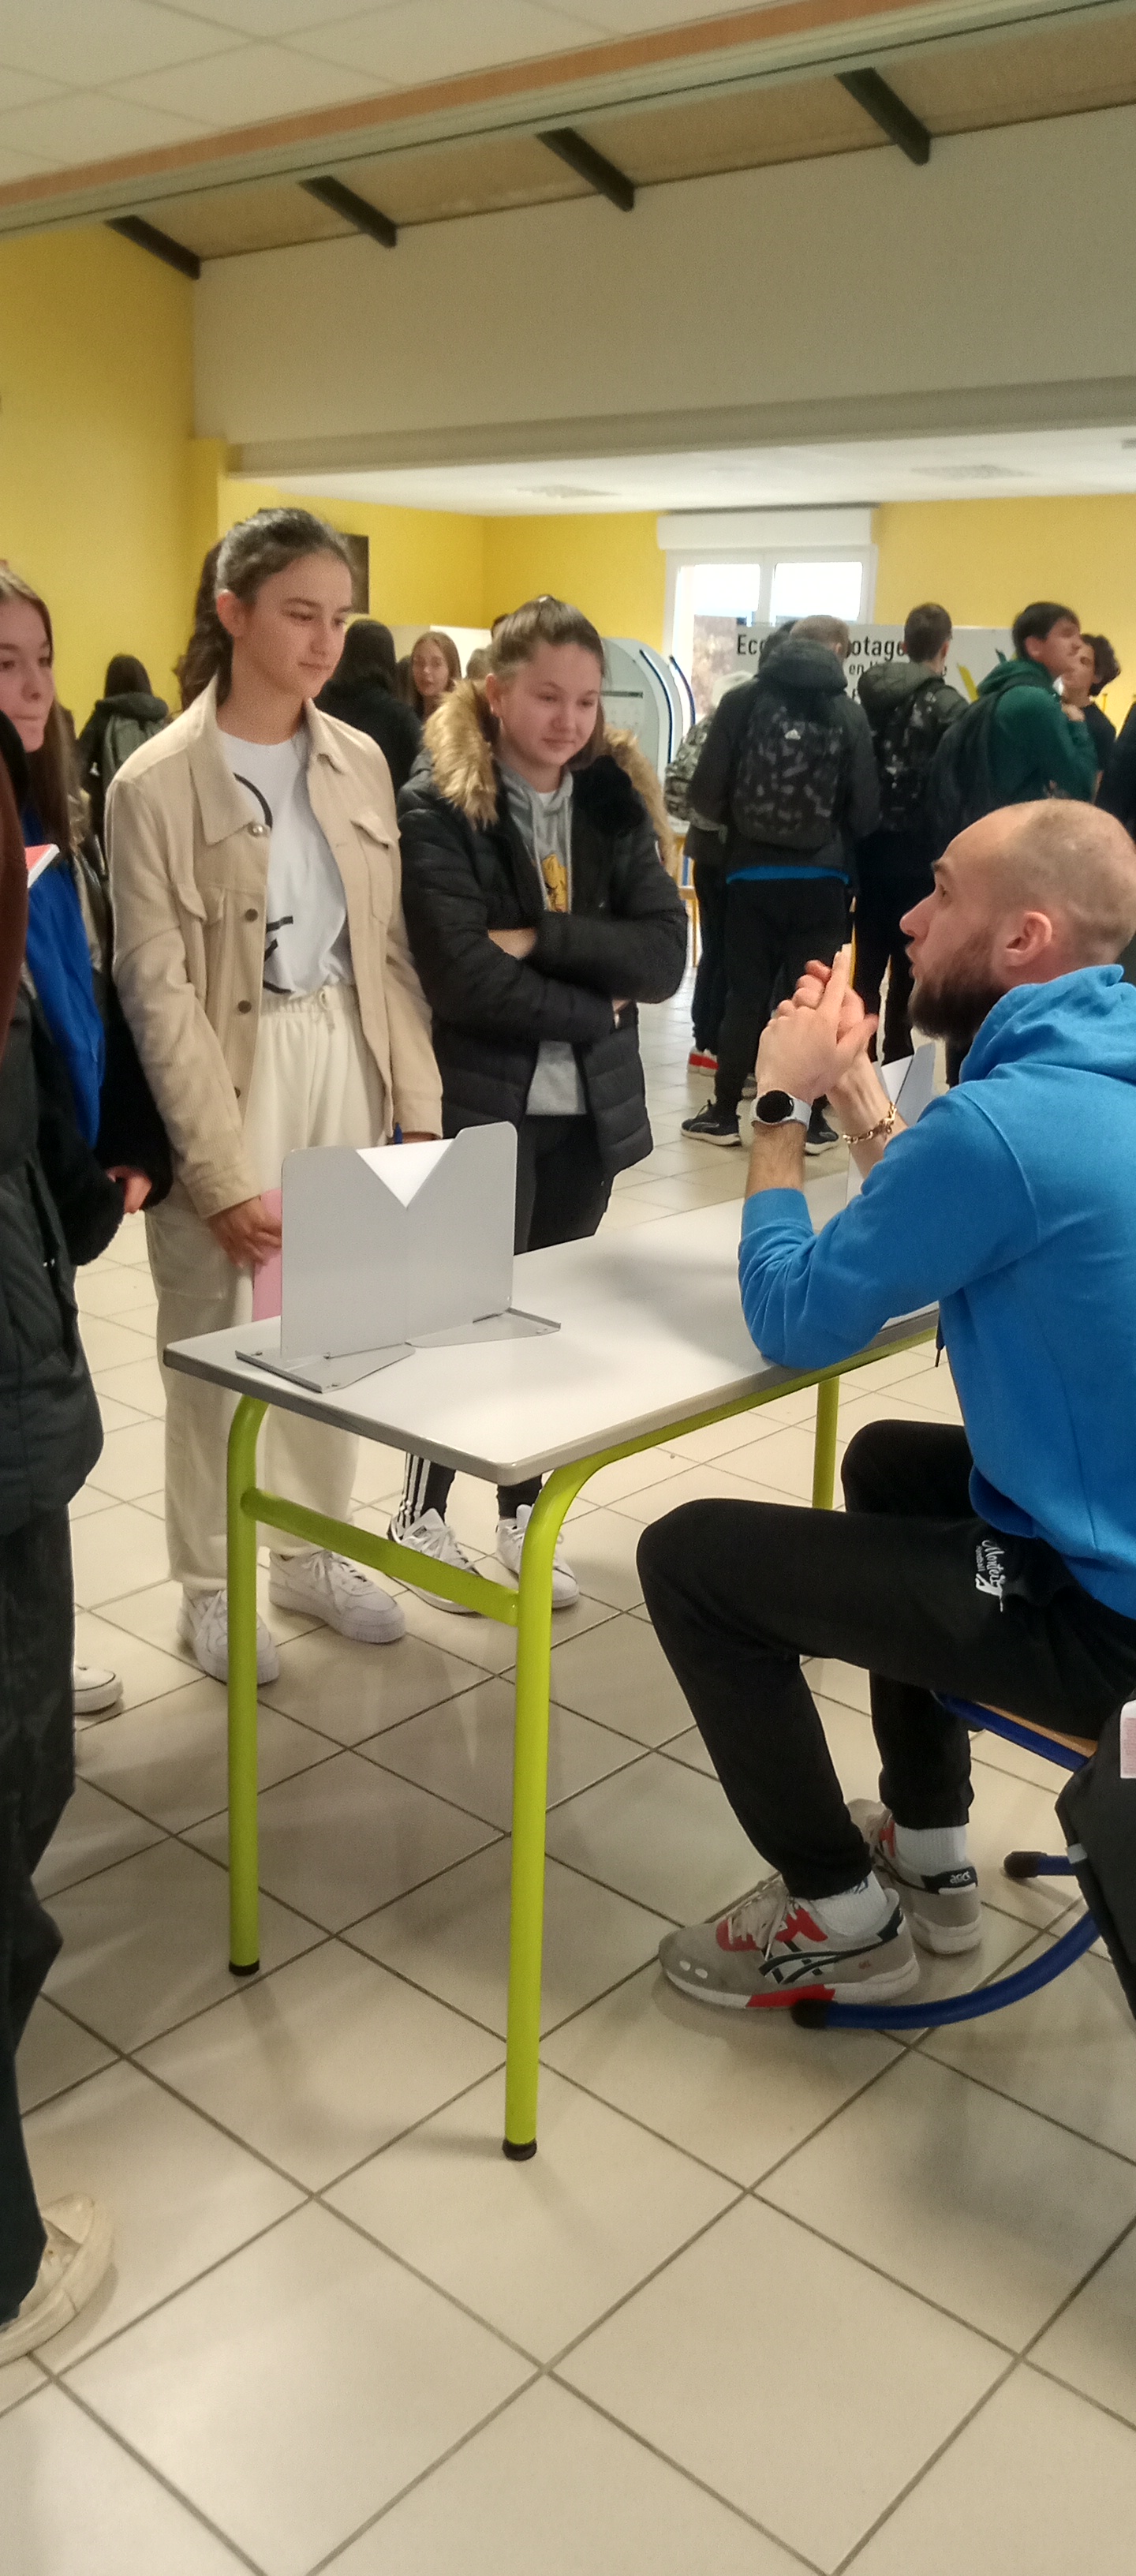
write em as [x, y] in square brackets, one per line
[905, 1582]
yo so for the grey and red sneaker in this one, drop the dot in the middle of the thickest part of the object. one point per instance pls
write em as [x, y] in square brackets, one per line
[773, 1949]
[945, 1911]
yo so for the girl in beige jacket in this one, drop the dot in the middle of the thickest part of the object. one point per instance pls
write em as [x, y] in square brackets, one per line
[262, 963]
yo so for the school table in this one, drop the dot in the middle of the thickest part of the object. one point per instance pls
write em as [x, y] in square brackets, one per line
[652, 1344]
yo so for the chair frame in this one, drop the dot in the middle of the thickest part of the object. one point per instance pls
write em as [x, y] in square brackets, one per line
[1070, 1754]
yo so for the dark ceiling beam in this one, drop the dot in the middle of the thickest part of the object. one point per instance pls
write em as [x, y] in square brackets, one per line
[144, 236]
[886, 109]
[358, 211]
[589, 164]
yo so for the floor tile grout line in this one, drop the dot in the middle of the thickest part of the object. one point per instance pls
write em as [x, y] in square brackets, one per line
[393, 2254]
[61, 2377]
[1070, 2388]
[256, 2566]
[869, 2264]
[326, 2566]
[706, 2228]
[655, 2451]
[931, 2462]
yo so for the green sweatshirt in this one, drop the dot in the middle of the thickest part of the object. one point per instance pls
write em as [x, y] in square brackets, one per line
[1034, 748]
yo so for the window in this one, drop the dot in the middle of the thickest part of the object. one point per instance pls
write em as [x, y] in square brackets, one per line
[719, 606]
[804, 589]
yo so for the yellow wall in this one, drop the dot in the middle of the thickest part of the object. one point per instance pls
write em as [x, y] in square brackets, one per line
[95, 411]
[612, 568]
[427, 566]
[986, 559]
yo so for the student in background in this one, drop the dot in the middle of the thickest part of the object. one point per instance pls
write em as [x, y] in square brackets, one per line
[127, 715]
[539, 914]
[364, 693]
[435, 668]
[1095, 669]
[50, 1437]
[1117, 790]
[706, 850]
[263, 965]
[909, 705]
[787, 768]
[85, 1055]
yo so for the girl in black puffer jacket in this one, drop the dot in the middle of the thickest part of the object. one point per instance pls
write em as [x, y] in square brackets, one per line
[540, 913]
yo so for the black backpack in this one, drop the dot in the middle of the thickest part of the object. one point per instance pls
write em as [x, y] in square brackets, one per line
[960, 788]
[792, 765]
[905, 748]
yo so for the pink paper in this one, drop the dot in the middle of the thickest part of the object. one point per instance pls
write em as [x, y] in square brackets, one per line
[266, 1279]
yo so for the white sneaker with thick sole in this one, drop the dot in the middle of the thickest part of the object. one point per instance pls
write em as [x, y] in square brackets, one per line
[330, 1588]
[79, 2242]
[203, 1626]
[431, 1536]
[96, 1690]
[510, 1546]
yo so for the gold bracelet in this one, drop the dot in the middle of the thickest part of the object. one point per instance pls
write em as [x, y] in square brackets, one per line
[884, 1127]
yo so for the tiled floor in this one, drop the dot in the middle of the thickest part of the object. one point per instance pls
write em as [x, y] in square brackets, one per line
[765, 2300]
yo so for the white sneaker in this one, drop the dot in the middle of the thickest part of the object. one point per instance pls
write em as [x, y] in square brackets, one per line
[510, 1542]
[432, 1536]
[203, 1626]
[332, 1589]
[78, 2250]
[96, 1690]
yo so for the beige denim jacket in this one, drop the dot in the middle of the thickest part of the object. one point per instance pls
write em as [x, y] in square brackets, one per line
[189, 877]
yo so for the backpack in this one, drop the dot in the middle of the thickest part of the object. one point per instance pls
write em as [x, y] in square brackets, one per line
[122, 734]
[792, 764]
[960, 787]
[680, 770]
[905, 748]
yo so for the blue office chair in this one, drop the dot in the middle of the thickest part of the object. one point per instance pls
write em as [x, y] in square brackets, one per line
[1070, 1752]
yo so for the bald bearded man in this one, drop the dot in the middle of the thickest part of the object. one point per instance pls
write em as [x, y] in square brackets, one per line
[996, 1563]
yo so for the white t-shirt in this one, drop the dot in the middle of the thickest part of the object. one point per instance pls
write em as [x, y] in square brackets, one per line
[306, 939]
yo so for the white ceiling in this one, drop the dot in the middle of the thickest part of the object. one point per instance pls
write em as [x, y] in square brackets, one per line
[85, 80]
[952, 468]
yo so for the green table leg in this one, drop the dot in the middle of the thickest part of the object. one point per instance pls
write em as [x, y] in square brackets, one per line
[824, 1454]
[530, 1801]
[244, 1908]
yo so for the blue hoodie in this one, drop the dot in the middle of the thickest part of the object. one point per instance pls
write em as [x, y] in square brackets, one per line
[1012, 1203]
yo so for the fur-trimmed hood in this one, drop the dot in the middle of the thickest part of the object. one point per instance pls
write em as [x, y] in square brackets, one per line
[459, 740]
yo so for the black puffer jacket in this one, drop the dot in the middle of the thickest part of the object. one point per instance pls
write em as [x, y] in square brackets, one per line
[50, 1433]
[465, 872]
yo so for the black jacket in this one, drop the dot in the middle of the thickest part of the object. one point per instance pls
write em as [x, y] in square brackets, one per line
[797, 668]
[465, 872]
[134, 715]
[50, 1433]
[372, 710]
[1117, 791]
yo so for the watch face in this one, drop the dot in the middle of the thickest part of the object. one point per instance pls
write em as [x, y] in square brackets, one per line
[773, 1108]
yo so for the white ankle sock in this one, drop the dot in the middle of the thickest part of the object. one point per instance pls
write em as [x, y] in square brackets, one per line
[944, 1847]
[863, 1909]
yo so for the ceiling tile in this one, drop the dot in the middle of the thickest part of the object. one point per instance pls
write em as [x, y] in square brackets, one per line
[22, 89]
[421, 40]
[18, 165]
[248, 87]
[88, 126]
[639, 17]
[100, 40]
[267, 17]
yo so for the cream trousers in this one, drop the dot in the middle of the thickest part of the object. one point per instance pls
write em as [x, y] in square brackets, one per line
[314, 1082]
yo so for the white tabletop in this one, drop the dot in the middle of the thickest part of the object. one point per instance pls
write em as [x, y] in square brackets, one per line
[652, 1333]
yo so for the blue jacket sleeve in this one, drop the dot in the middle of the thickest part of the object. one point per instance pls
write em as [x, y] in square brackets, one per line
[947, 1204]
